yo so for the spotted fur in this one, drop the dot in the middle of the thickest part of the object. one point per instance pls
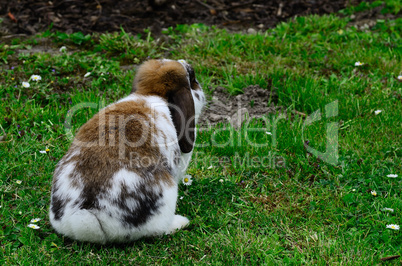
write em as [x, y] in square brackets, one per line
[118, 181]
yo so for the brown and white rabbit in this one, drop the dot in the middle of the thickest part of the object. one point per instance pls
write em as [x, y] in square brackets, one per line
[119, 180]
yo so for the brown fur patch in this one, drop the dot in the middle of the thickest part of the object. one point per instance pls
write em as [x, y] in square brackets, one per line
[197, 95]
[158, 77]
[106, 146]
[195, 86]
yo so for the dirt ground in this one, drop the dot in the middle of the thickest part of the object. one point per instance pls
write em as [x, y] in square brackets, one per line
[30, 17]
[253, 103]
[25, 17]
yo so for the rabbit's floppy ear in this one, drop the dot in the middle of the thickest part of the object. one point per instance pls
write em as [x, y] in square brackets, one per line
[170, 79]
[181, 105]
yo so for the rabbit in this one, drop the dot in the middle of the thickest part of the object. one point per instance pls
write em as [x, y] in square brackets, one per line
[118, 181]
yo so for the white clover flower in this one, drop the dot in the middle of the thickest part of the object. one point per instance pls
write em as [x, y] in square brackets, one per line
[400, 77]
[18, 182]
[87, 74]
[359, 63]
[33, 226]
[25, 84]
[376, 112]
[374, 193]
[393, 226]
[63, 49]
[392, 175]
[221, 180]
[187, 180]
[388, 209]
[35, 220]
[36, 77]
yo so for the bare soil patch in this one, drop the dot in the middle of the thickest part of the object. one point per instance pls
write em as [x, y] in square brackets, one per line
[30, 17]
[255, 102]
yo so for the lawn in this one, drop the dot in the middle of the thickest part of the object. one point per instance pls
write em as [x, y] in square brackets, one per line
[290, 188]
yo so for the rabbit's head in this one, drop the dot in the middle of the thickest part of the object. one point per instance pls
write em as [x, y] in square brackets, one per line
[175, 82]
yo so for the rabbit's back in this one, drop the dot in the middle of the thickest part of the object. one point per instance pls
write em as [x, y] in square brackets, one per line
[118, 181]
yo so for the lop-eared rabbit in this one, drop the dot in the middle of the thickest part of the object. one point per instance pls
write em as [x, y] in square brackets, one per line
[119, 180]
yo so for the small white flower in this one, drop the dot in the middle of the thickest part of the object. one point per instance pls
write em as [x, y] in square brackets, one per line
[268, 133]
[210, 167]
[33, 226]
[400, 77]
[187, 180]
[87, 74]
[36, 77]
[376, 112]
[45, 151]
[63, 49]
[359, 63]
[374, 193]
[35, 220]
[181, 61]
[25, 84]
[393, 226]
[354, 190]
[388, 209]
[221, 180]
[18, 182]
[181, 198]
[392, 175]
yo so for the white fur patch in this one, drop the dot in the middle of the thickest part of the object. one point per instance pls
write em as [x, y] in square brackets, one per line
[198, 103]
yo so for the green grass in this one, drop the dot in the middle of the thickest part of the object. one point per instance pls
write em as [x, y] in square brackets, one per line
[386, 7]
[271, 203]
